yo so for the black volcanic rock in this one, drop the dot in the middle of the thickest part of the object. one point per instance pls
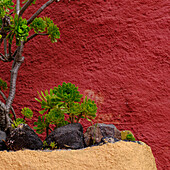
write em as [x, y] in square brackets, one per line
[23, 137]
[67, 137]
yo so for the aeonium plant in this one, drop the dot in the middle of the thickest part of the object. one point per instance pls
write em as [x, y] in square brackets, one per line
[27, 113]
[63, 105]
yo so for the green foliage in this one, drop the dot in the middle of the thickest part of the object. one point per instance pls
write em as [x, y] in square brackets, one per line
[45, 144]
[3, 85]
[27, 112]
[48, 101]
[62, 100]
[56, 117]
[38, 25]
[53, 117]
[5, 5]
[52, 145]
[47, 26]
[17, 122]
[11, 115]
[27, 0]
[130, 137]
[19, 29]
[68, 93]
[53, 32]
[88, 109]
[41, 125]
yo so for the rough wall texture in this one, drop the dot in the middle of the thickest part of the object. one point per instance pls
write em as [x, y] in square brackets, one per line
[117, 52]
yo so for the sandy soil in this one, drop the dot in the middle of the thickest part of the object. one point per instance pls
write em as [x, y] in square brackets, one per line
[118, 156]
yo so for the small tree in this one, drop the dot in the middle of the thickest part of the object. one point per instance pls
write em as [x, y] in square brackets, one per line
[15, 29]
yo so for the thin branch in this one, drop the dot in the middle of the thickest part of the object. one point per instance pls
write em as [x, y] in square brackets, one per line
[18, 7]
[31, 37]
[27, 4]
[9, 50]
[13, 56]
[3, 57]
[34, 35]
[40, 10]
[14, 72]
[1, 40]
[5, 47]
[11, 13]
[12, 109]
[8, 122]
[3, 95]
[13, 112]
[43, 34]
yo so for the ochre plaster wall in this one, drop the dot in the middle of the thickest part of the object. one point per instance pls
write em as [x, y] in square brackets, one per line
[117, 52]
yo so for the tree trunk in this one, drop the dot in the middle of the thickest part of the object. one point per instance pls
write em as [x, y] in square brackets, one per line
[2, 117]
[5, 120]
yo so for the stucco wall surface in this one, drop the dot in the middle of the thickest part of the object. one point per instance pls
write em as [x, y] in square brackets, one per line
[117, 53]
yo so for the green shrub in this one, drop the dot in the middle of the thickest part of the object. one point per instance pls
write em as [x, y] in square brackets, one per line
[3, 85]
[27, 113]
[59, 102]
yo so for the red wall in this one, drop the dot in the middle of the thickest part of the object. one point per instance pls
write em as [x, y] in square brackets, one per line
[116, 51]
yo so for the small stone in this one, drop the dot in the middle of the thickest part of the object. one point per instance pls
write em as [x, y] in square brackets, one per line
[124, 134]
[109, 140]
[94, 134]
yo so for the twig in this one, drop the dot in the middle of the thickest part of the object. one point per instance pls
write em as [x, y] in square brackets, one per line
[78, 118]
[43, 34]
[3, 95]
[34, 35]
[9, 49]
[13, 56]
[40, 10]
[31, 37]
[27, 4]
[3, 57]
[11, 13]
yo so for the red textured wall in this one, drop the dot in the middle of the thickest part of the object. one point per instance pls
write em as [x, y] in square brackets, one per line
[117, 52]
